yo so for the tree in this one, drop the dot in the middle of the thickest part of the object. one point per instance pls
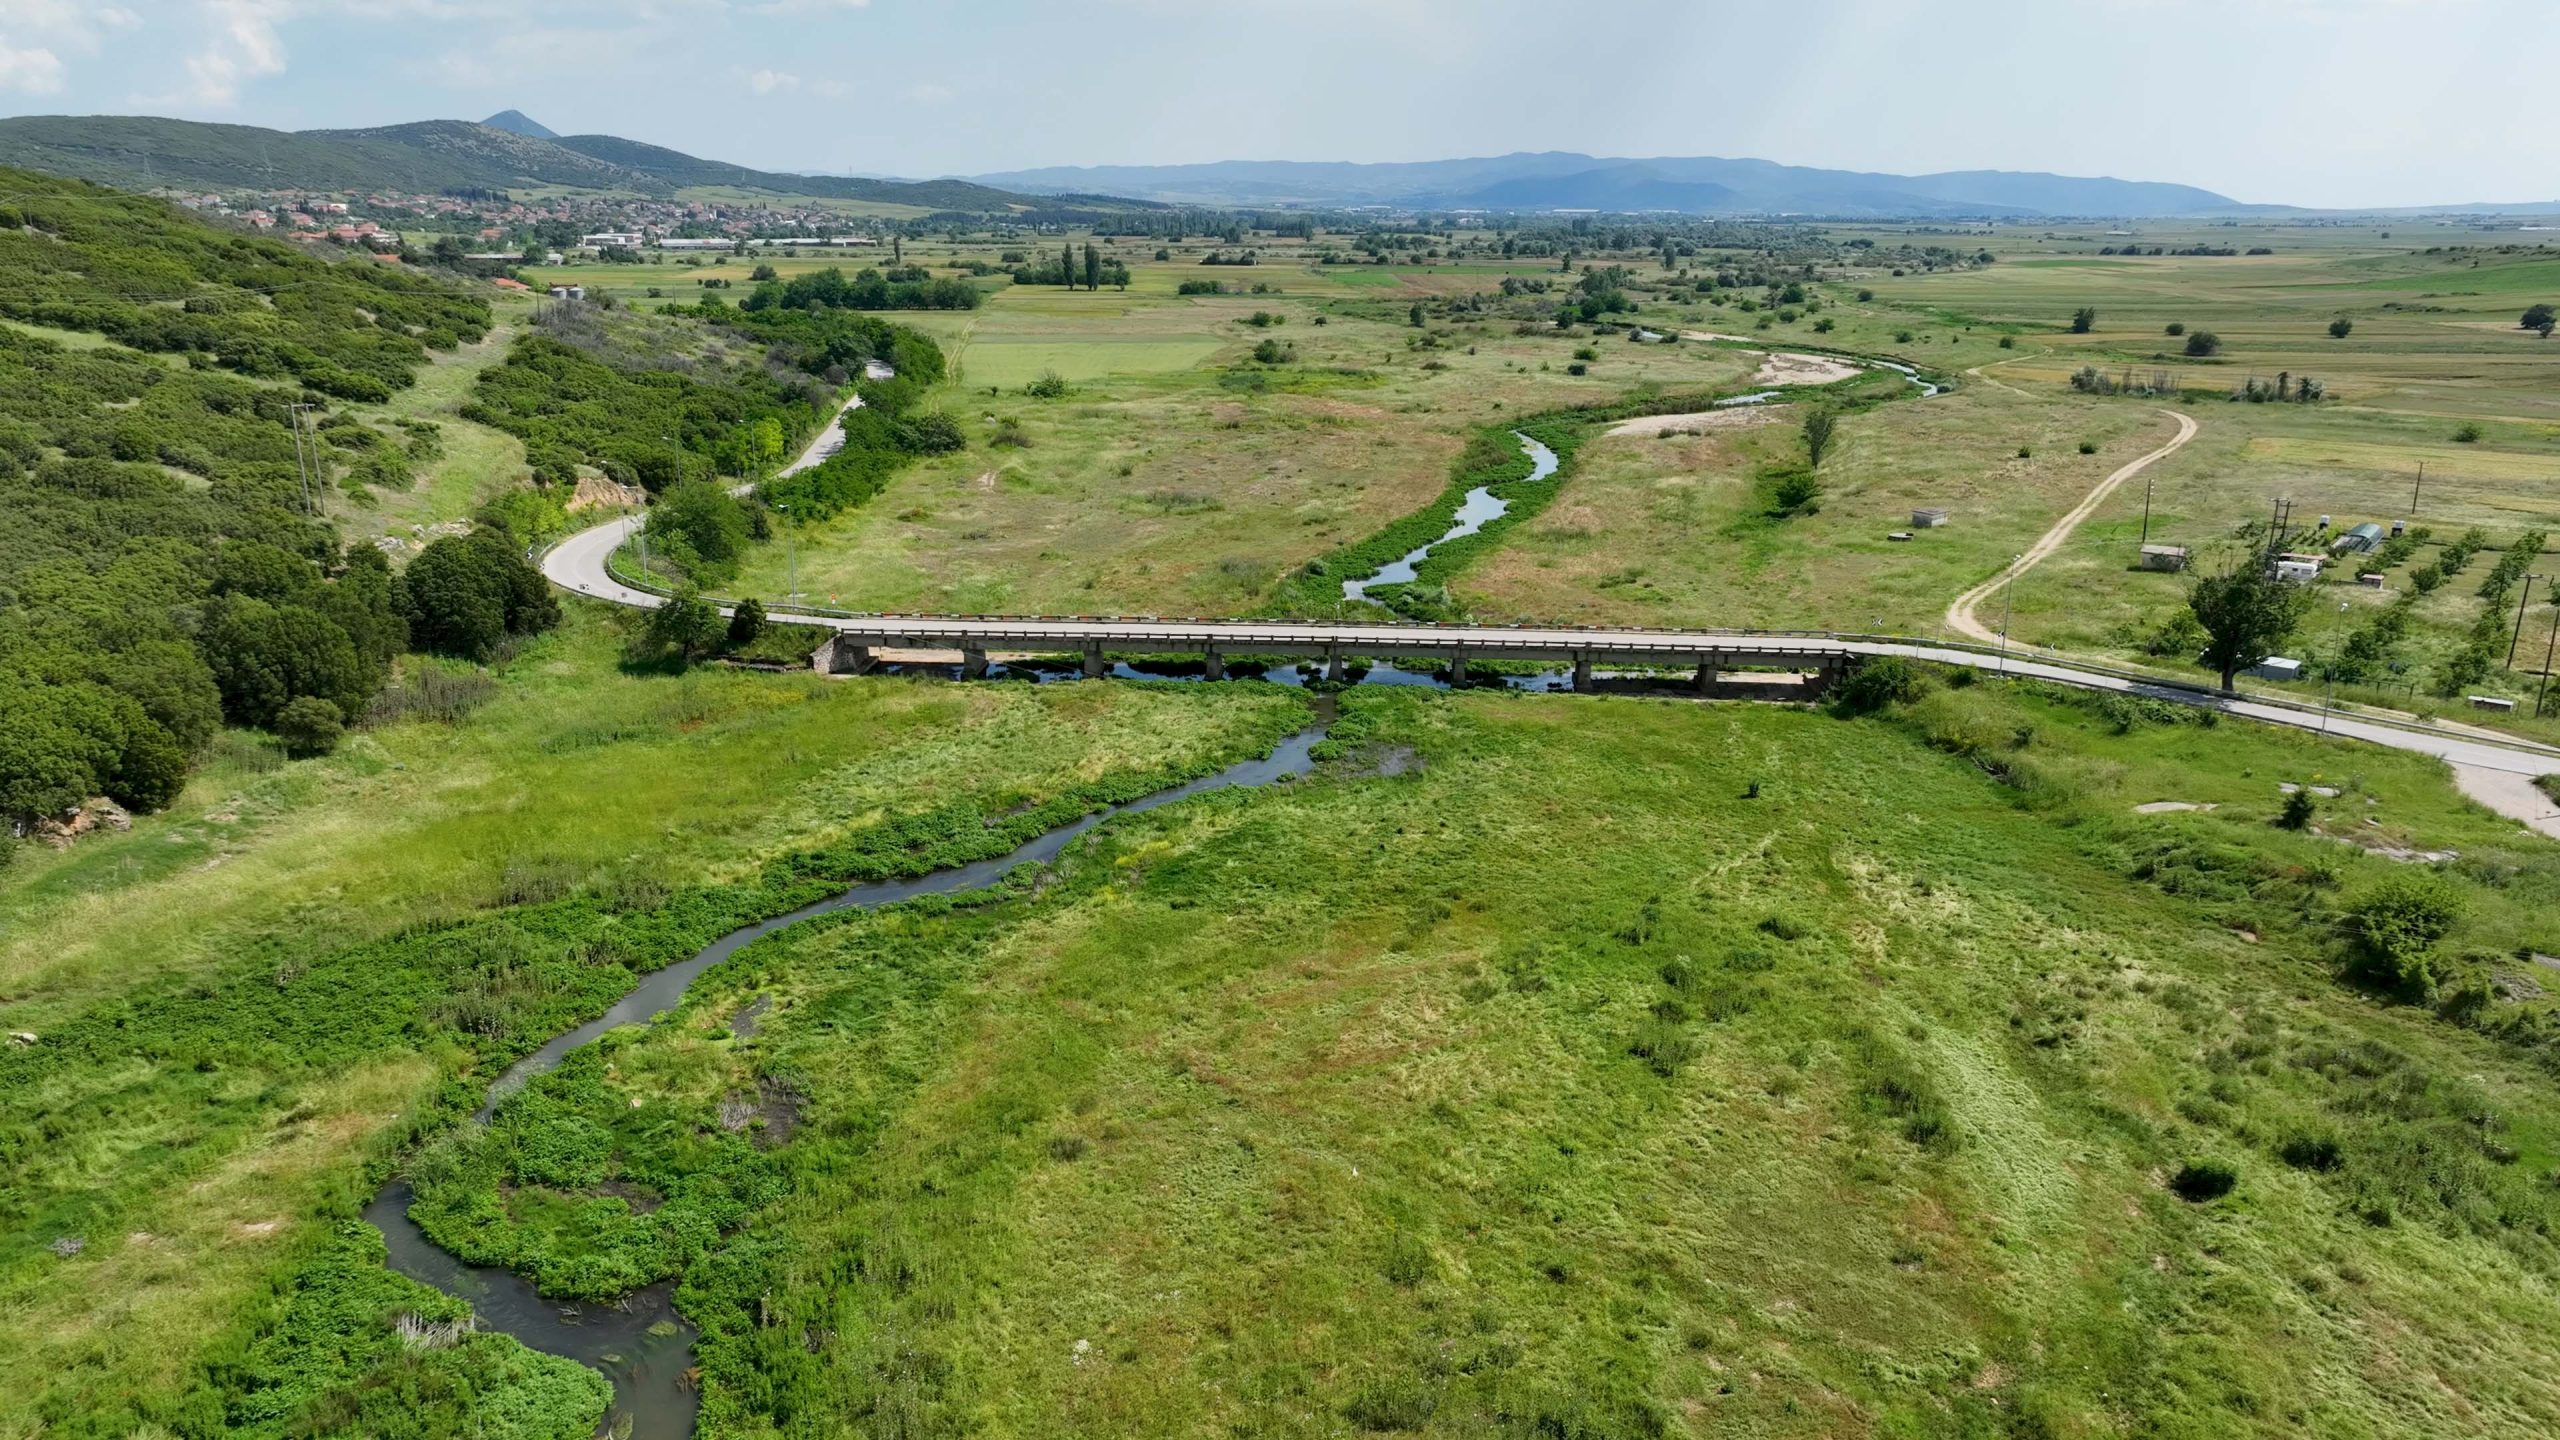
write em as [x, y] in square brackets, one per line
[686, 627]
[1092, 267]
[2246, 613]
[1414, 315]
[705, 520]
[1067, 265]
[746, 621]
[2539, 317]
[2340, 328]
[2204, 342]
[2084, 319]
[309, 726]
[465, 594]
[265, 656]
[1819, 426]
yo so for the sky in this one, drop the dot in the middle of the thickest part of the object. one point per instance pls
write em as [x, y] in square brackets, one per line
[2336, 103]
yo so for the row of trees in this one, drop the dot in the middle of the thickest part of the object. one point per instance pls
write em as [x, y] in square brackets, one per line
[867, 289]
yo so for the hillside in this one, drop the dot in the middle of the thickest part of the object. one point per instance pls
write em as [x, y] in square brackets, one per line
[1689, 185]
[144, 151]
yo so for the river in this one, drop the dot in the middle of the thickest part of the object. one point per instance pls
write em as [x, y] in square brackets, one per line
[641, 1344]
[1480, 508]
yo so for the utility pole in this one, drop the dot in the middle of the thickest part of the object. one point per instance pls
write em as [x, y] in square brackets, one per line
[2146, 508]
[2550, 650]
[2414, 484]
[2518, 638]
[310, 472]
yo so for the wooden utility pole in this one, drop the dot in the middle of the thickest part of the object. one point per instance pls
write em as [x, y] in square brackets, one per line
[2518, 638]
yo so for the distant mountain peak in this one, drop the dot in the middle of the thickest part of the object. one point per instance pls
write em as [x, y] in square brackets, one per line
[518, 122]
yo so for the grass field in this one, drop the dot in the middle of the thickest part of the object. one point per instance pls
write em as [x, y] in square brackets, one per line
[1629, 1068]
[202, 1169]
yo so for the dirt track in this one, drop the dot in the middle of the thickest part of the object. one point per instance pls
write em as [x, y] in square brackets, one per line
[1960, 617]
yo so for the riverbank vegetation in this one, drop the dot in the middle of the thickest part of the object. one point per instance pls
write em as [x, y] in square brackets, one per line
[1793, 1095]
[243, 1010]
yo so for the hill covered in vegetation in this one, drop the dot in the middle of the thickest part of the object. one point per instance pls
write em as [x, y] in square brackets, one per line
[164, 570]
[430, 155]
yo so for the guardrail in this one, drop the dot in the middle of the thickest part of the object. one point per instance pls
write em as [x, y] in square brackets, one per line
[1423, 630]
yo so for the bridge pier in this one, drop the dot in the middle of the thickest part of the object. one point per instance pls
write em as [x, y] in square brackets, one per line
[1093, 666]
[1214, 665]
[839, 656]
[1706, 681]
[1582, 673]
[1458, 670]
[973, 664]
[1335, 669]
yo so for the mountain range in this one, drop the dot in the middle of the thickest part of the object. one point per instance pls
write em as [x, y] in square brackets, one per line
[1563, 180]
[133, 151]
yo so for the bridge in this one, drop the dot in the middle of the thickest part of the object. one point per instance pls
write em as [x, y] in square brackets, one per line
[2495, 769]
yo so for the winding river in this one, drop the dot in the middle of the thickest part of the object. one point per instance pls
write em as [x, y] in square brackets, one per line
[1480, 508]
[640, 1343]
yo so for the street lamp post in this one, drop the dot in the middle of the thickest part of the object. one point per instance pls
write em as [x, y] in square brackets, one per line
[2008, 588]
[790, 551]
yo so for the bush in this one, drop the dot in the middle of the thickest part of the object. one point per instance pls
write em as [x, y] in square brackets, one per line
[1050, 386]
[746, 621]
[1881, 681]
[2398, 922]
[2203, 343]
[2467, 434]
[309, 726]
[2176, 327]
[2299, 807]
[2199, 1181]
[2088, 447]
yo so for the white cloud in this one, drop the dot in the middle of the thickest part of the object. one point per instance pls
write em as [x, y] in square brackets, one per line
[925, 92]
[63, 26]
[241, 45]
[767, 82]
[35, 71]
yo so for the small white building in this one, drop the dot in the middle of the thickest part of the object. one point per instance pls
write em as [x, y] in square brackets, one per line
[1929, 519]
[2297, 572]
[2277, 667]
[2164, 557]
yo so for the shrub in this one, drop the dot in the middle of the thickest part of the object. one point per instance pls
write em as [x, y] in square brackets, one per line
[2310, 1152]
[2176, 327]
[2467, 434]
[309, 726]
[2339, 328]
[746, 621]
[2203, 343]
[1881, 681]
[2398, 922]
[1050, 386]
[1663, 1046]
[2199, 1181]
[2298, 810]
[2088, 447]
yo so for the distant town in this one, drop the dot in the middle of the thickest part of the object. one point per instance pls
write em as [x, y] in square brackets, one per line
[496, 228]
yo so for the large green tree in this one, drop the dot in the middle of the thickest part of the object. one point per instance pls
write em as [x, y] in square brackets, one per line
[2246, 613]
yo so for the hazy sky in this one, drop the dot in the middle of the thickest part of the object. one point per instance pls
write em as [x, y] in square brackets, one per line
[2315, 102]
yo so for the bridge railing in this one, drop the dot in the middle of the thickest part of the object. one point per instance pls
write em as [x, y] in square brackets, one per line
[1430, 635]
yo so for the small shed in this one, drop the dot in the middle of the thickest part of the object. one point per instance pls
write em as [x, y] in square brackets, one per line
[1928, 519]
[2164, 557]
[2277, 667]
[2493, 702]
[2371, 579]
